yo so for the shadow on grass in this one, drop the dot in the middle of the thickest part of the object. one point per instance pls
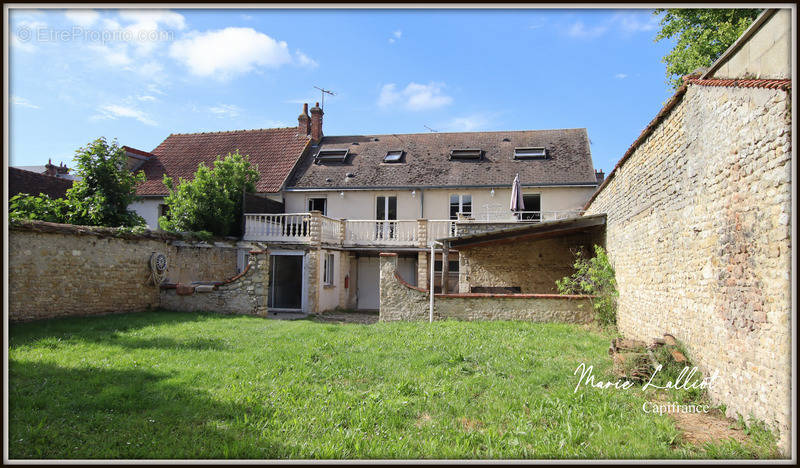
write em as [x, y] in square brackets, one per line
[59, 412]
[105, 327]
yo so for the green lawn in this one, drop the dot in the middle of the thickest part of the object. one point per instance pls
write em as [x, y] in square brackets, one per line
[183, 385]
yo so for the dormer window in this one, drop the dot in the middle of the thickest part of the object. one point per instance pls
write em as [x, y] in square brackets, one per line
[530, 153]
[467, 153]
[325, 156]
[394, 156]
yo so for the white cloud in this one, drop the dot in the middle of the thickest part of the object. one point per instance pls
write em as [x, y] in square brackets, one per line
[624, 23]
[225, 110]
[82, 17]
[22, 102]
[147, 98]
[114, 56]
[395, 36]
[580, 30]
[24, 46]
[275, 124]
[469, 123]
[415, 96]
[116, 111]
[620, 76]
[147, 28]
[305, 61]
[636, 22]
[230, 51]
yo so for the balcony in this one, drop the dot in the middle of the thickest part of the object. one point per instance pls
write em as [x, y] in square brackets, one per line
[314, 228]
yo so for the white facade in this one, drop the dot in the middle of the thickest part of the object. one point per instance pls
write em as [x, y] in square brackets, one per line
[415, 204]
[148, 208]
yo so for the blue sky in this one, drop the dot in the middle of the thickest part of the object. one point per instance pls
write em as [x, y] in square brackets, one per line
[140, 75]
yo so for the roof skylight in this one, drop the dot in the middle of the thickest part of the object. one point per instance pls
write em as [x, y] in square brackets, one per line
[466, 153]
[332, 155]
[394, 156]
[530, 153]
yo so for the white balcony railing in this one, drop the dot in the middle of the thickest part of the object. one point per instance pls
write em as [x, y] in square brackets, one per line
[308, 228]
[290, 227]
[331, 230]
[376, 232]
[440, 228]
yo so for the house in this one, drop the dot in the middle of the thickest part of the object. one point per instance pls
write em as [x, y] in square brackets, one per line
[35, 183]
[338, 201]
[61, 171]
[275, 151]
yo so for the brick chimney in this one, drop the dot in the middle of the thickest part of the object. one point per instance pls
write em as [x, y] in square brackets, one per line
[50, 169]
[304, 122]
[600, 175]
[316, 124]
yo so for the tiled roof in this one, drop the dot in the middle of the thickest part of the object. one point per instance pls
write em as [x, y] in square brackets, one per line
[21, 181]
[784, 85]
[771, 84]
[275, 151]
[426, 160]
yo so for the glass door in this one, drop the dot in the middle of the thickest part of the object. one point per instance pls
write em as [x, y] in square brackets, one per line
[386, 213]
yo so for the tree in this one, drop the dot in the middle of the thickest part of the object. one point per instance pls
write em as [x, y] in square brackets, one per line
[212, 200]
[100, 198]
[594, 276]
[703, 34]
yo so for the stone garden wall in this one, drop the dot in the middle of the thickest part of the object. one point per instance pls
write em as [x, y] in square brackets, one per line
[532, 265]
[245, 293]
[401, 301]
[59, 270]
[698, 231]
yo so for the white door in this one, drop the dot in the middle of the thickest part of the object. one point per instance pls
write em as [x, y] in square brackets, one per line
[368, 283]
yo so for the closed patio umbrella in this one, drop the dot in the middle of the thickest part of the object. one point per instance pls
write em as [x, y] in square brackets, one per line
[516, 196]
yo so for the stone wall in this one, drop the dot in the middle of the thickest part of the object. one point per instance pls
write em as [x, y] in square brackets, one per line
[401, 301]
[532, 265]
[698, 231]
[245, 293]
[58, 270]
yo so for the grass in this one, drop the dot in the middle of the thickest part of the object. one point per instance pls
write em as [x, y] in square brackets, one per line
[183, 385]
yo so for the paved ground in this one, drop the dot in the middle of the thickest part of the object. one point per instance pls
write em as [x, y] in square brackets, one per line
[364, 318]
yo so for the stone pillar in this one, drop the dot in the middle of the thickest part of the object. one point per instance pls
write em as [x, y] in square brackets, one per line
[423, 258]
[315, 227]
[422, 233]
[342, 231]
[344, 270]
[445, 265]
[313, 272]
[259, 261]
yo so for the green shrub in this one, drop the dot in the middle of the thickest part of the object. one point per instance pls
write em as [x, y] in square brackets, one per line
[594, 276]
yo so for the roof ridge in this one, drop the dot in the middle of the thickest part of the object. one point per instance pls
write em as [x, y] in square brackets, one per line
[234, 131]
[457, 133]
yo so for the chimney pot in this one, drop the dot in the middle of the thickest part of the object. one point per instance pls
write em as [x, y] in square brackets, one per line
[304, 122]
[316, 124]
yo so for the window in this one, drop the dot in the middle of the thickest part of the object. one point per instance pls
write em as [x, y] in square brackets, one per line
[452, 266]
[163, 210]
[467, 153]
[394, 156]
[460, 204]
[327, 271]
[331, 155]
[386, 211]
[530, 153]
[318, 204]
[533, 207]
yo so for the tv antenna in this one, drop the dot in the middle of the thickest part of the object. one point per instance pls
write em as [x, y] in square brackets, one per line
[324, 92]
[434, 131]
